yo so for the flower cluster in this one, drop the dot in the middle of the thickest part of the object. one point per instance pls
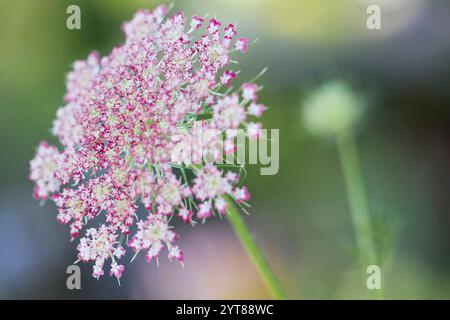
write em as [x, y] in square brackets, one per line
[118, 131]
[332, 108]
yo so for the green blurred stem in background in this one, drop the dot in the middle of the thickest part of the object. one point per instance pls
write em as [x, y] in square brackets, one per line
[348, 155]
[246, 239]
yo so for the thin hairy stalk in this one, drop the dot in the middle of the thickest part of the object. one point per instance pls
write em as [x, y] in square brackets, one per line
[243, 234]
[349, 159]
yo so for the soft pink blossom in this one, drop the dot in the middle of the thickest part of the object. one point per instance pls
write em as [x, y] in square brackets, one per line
[249, 91]
[241, 44]
[121, 172]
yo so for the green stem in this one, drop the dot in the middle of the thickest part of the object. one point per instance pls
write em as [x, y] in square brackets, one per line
[348, 154]
[247, 241]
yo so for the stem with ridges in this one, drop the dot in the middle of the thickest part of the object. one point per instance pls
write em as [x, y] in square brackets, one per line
[252, 250]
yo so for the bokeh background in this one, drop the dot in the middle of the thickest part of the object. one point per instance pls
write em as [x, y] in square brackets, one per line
[300, 216]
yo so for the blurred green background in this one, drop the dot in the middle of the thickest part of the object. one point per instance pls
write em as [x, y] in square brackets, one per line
[300, 216]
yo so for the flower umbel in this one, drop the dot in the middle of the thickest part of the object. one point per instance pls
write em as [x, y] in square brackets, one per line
[332, 108]
[118, 132]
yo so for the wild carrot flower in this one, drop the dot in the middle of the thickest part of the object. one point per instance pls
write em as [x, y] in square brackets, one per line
[118, 133]
[332, 108]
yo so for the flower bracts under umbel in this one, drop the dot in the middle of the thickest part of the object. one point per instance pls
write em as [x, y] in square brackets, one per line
[119, 130]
